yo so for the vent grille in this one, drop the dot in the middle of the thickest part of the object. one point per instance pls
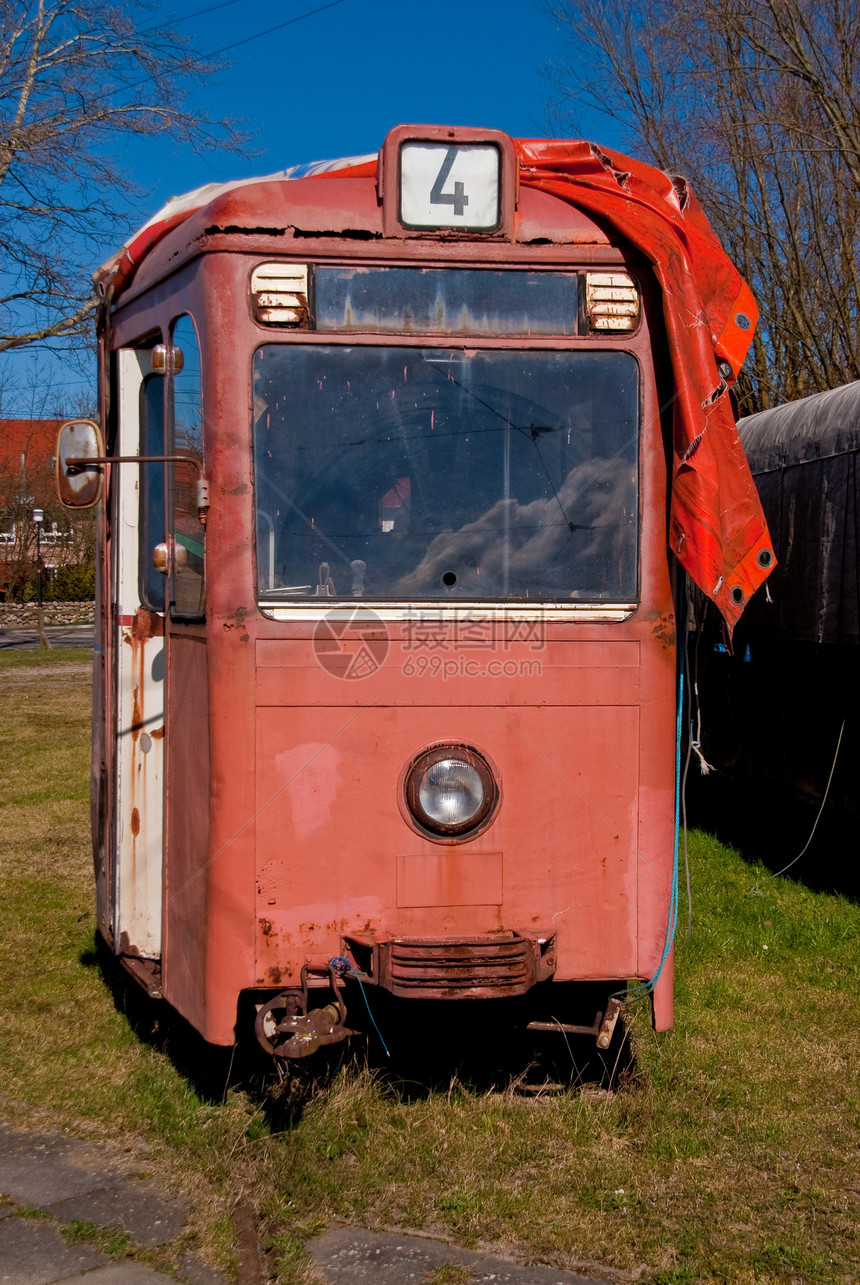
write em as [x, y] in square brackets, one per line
[448, 968]
[611, 300]
[280, 292]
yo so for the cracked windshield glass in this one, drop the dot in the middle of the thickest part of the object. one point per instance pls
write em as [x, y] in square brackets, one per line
[416, 474]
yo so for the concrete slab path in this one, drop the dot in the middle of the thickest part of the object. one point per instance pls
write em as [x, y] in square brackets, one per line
[353, 1256]
[48, 1181]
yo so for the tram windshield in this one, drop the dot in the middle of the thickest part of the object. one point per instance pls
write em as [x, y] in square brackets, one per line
[428, 474]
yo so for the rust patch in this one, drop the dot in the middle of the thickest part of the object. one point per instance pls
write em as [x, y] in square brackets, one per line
[135, 822]
[266, 927]
[610, 1018]
[136, 716]
[126, 947]
[145, 971]
[663, 630]
[233, 229]
[146, 625]
[158, 733]
[307, 935]
[247, 1244]
[241, 489]
[273, 974]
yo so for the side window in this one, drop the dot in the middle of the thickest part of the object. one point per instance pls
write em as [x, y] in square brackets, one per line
[186, 438]
[152, 491]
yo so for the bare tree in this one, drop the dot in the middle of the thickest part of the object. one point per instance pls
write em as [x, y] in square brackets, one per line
[757, 102]
[77, 78]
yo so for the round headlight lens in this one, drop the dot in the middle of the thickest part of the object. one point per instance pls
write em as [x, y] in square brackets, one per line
[450, 791]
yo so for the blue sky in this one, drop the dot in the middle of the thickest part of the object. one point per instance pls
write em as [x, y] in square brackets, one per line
[332, 84]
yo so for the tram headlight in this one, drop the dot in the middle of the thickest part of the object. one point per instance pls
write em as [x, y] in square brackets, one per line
[451, 791]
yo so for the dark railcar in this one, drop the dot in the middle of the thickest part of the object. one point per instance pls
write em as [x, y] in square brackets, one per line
[780, 711]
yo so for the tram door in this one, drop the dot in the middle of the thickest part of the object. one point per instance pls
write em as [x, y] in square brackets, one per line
[159, 537]
[139, 659]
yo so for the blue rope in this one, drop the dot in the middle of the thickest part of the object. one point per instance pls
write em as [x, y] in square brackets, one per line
[342, 965]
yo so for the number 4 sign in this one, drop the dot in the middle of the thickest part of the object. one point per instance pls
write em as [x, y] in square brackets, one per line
[450, 185]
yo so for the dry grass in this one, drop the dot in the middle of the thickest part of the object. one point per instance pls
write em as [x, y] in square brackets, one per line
[731, 1154]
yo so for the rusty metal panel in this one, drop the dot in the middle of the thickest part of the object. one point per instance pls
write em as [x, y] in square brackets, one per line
[186, 879]
[426, 656]
[449, 877]
[567, 825]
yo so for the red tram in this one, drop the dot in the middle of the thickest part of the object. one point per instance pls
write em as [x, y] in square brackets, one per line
[394, 453]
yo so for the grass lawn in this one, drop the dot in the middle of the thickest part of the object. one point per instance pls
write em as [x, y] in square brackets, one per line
[729, 1152]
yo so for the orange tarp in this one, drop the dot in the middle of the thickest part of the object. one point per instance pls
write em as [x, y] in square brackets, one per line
[717, 528]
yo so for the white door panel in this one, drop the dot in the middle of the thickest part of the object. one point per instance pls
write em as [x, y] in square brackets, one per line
[140, 705]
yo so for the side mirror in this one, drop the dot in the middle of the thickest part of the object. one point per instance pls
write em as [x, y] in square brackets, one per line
[79, 484]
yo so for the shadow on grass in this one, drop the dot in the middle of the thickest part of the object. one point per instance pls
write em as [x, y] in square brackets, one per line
[414, 1048]
[486, 1045]
[210, 1069]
